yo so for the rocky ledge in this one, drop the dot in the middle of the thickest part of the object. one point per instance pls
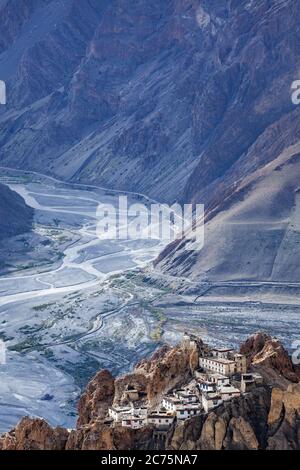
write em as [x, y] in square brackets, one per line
[265, 418]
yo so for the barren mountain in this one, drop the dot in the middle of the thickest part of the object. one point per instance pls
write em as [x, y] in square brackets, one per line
[253, 233]
[185, 100]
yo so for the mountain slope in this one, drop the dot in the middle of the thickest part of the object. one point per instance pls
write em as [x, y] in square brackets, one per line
[15, 216]
[182, 100]
[164, 98]
[253, 233]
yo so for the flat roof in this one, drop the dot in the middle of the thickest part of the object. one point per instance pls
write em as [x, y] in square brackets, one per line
[187, 394]
[220, 360]
[120, 409]
[132, 418]
[172, 399]
[190, 409]
[222, 349]
[229, 387]
[160, 416]
[217, 375]
[212, 395]
[248, 376]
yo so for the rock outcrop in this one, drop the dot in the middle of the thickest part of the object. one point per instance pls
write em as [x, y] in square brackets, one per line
[239, 424]
[169, 367]
[97, 398]
[34, 434]
[100, 436]
[284, 419]
[268, 353]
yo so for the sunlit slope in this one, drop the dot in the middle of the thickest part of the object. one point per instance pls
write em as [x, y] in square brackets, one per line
[254, 233]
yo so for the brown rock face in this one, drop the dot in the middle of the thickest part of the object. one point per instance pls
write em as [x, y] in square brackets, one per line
[239, 424]
[34, 434]
[261, 419]
[165, 370]
[97, 398]
[268, 353]
[99, 436]
[254, 345]
[283, 419]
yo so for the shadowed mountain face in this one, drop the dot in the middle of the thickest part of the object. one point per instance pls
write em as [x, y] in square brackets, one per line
[181, 99]
[15, 216]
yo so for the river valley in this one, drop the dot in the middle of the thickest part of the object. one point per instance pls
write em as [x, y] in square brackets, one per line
[72, 303]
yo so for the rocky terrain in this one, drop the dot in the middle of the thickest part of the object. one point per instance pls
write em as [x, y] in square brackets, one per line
[265, 418]
[15, 216]
[181, 100]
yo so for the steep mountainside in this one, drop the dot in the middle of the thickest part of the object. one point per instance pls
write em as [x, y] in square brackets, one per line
[15, 216]
[184, 100]
[165, 98]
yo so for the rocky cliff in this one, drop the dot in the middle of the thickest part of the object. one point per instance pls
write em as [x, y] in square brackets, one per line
[268, 354]
[265, 418]
[169, 367]
[260, 420]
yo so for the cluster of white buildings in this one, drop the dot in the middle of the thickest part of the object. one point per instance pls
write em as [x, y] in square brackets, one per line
[135, 418]
[129, 416]
[221, 376]
[180, 405]
[183, 404]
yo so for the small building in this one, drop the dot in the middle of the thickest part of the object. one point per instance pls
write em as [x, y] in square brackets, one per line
[142, 411]
[219, 365]
[189, 341]
[134, 422]
[221, 353]
[188, 411]
[171, 403]
[182, 404]
[240, 363]
[211, 400]
[132, 393]
[186, 396]
[126, 414]
[250, 381]
[258, 378]
[117, 413]
[219, 379]
[228, 392]
[247, 383]
[207, 386]
[200, 375]
[161, 420]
